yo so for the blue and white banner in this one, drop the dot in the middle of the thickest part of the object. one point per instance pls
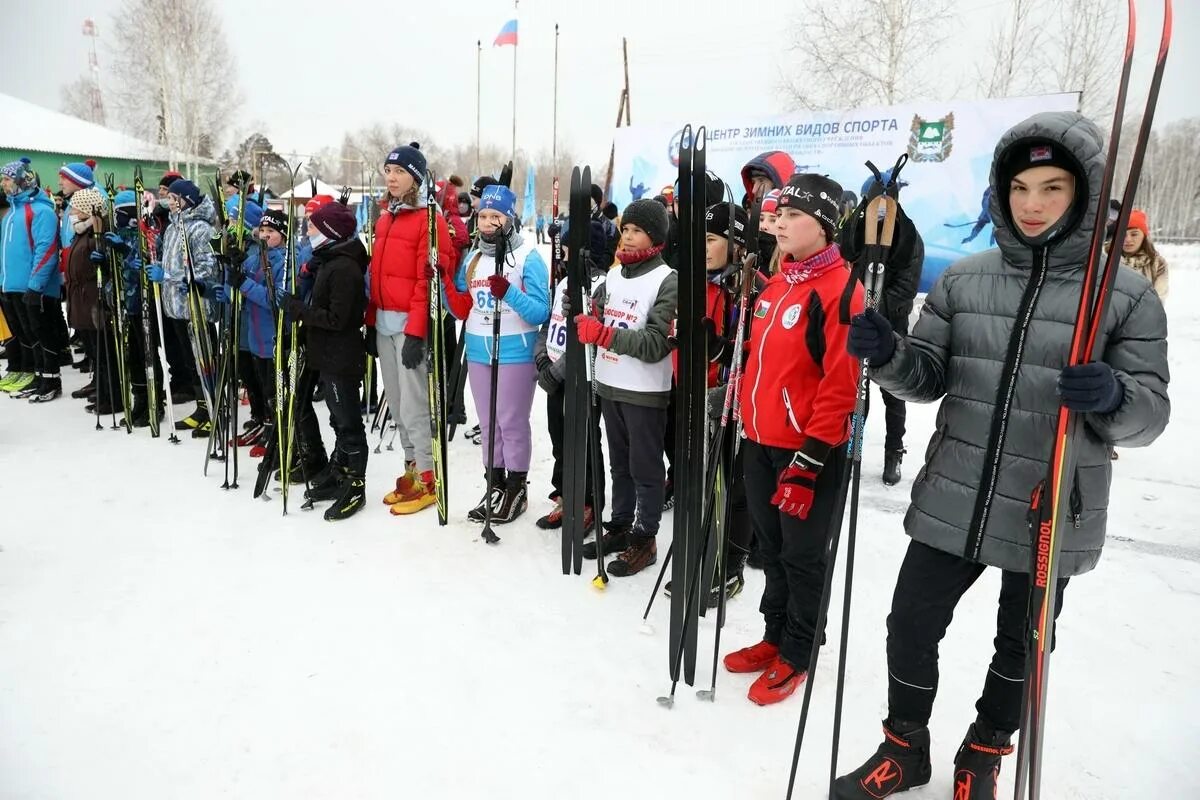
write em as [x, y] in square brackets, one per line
[949, 145]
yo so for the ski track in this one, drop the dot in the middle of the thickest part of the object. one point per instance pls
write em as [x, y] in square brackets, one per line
[162, 638]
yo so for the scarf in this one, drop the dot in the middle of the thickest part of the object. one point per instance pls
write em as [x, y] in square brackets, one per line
[814, 266]
[627, 257]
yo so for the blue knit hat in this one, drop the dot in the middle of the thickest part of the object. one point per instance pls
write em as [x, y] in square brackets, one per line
[499, 198]
[20, 172]
[125, 199]
[410, 158]
[254, 211]
[187, 191]
[80, 173]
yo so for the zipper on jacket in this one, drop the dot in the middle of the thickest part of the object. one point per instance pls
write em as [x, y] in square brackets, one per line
[1004, 397]
[762, 343]
[787, 403]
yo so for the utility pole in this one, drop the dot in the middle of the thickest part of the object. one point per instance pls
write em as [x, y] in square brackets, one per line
[97, 99]
[622, 112]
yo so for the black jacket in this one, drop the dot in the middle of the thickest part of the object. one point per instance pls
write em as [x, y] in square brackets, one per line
[902, 274]
[333, 317]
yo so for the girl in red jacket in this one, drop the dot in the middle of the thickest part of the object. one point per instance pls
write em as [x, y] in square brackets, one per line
[398, 316]
[797, 396]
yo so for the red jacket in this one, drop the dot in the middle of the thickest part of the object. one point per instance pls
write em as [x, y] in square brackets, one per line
[717, 302]
[398, 262]
[798, 390]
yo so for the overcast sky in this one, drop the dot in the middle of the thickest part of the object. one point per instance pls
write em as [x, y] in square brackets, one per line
[355, 62]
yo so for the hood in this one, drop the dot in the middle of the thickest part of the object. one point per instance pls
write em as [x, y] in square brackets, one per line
[32, 196]
[204, 212]
[352, 248]
[776, 163]
[1080, 137]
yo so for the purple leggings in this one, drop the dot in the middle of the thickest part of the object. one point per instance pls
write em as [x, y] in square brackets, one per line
[514, 404]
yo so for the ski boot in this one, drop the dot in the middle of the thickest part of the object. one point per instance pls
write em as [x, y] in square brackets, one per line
[33, 388]
[351, 500]
[901, 763]
[977, 764]
[495, 479]
[754, 658]
[51, 390]
[891, 466]
[776, 684]
[407, 486]
[615, 539]
[554, 520]
[194, 420]
[17, 382]
[423, 495]
[514, 501]
[83, 392]
[641, 552]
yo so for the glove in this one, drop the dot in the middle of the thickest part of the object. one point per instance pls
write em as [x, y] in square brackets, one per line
[871, 338]
[546, 377]
[223, 293]
[1090, 387]
[715, 397]
[412, 352]
[97, 258]
[154, 271]
[115, 242]
[716, 343]
[372, 344]
[796, 487]
[295, 306]
[499, 286]
[554, 230]
[33, 298]
[592, 331]
[236, 278]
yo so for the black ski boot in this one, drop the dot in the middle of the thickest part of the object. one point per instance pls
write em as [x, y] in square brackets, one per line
[352, 498]
[901, 763]
[494, 495]
[977, 764]
[51, 390]
[139, 415]
[515, 499]
[84, 392]
[326, 482]
[614, 540]
[734, 580]
[891, 466]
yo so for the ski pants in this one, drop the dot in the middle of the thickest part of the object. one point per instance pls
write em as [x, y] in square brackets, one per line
[345, 417]
[42, 333]
[256, 391]
[516, 384]
[556, 422]
[182, 332]
[929, 586]
[635, 454]
[21, 347]
[793, 550]
[408, 399]
[895, 415]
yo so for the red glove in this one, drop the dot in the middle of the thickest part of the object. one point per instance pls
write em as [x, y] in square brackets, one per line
[592, 331]
[499, 286]
[797, 485]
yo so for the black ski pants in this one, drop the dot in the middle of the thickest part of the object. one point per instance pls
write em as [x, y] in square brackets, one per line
[40, 329]
[928, 588]
[793, 550]
[21, 349]
[256, 391]
[190, 367]
[635, 454]
[556, 421]
[342, 395]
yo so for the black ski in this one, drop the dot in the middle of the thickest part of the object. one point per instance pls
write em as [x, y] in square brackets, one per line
[435, 360]
[576, 387]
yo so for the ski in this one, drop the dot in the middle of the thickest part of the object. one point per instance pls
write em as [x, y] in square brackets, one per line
[148, 347]
[120, 320]
[576, 389]
[294, 362]
[1049, 504]
[435, 360]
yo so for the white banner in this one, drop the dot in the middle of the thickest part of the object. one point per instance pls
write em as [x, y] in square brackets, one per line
[949, 147]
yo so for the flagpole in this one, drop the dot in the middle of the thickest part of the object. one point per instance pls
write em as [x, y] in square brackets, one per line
[478, 88]
[516, 3]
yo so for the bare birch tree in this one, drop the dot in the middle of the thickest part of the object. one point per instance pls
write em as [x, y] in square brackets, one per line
[1011, 60]
[1083, 53]
[867, 51]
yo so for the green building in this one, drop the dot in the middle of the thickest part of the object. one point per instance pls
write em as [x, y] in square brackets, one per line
[50, 139]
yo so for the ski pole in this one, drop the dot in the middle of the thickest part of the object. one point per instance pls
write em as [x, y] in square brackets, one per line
[488, 534]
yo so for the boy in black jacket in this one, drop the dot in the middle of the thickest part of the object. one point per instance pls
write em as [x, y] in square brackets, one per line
[332, 321]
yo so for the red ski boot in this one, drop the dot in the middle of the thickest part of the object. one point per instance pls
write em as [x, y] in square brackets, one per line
[754, 658]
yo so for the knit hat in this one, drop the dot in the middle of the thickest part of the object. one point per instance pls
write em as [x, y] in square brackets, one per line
[410, 158]
[770, 204]
[499, 198]
[716, 220]
[80, 173]
[481, 183]
[316, 202]
[168, 178]
[254, 211]
[1137, 219]
[610, 211]
[1031, 153]
[335, 221]
[650, 216]
[815, 195]
[186, 191]
[89, 201]
[20, 172]
[274, 219]
[124, 199]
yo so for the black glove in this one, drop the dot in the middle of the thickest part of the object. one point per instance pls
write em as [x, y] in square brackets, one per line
[97, 258]
[546, 377]
[236, 278]
[719, 348]
[871, 337]
[371, 342]
[1090, 387]
[295, 306]
[412, 352]
[554, 229]
[116, 243]
[716, 402]
[33, 298]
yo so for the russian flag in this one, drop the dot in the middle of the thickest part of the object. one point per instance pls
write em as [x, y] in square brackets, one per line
[507, 35]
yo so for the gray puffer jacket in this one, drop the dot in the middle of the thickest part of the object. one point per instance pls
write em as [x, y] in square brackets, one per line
[991, 340]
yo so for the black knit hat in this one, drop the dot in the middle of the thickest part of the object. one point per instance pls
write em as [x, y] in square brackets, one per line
[716, 220]
[335, 221]
[815, 195]
[650, 217]
[410, 159]
[481, 183]
[274, 219]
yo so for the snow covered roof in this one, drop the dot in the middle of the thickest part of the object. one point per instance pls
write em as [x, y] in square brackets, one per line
[303, 190]
[28, 126]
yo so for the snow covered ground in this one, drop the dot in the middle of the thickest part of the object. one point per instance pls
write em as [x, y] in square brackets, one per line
[161, 638]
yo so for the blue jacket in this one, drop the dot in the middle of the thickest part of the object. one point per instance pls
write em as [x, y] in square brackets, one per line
[532, 304]
[66, 228]
[197, 224]
[29, 259]
[258, 307]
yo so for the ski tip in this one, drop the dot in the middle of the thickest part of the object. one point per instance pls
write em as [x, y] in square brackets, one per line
[600, 582]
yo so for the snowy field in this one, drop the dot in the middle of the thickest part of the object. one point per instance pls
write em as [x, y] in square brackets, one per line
[162, 638]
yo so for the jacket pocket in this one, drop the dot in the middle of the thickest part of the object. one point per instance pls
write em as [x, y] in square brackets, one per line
[787, 404]
[934, 444]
